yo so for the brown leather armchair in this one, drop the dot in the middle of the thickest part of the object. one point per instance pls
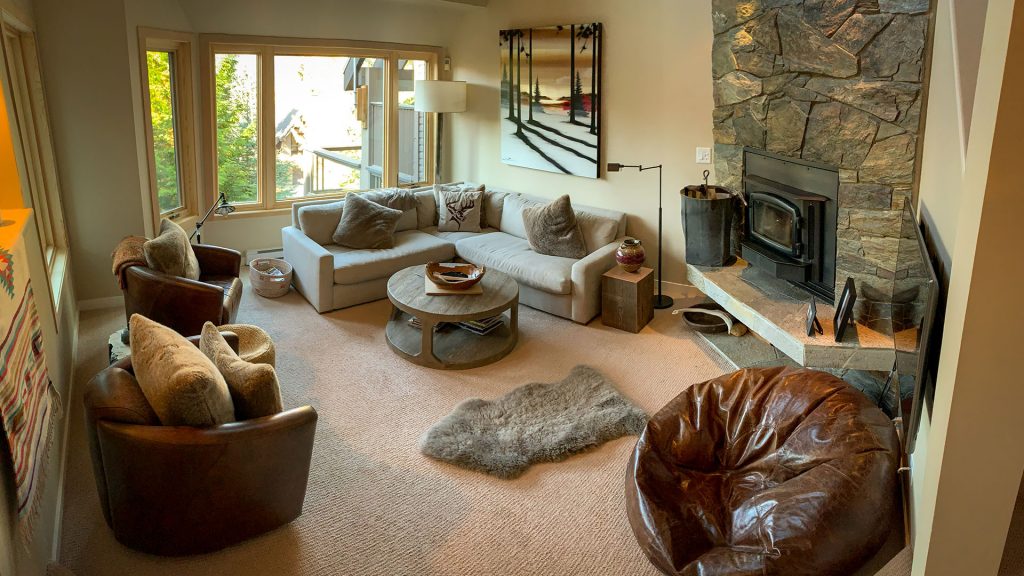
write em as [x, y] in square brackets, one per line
[773, 471]
[182, 304]
[176, 490]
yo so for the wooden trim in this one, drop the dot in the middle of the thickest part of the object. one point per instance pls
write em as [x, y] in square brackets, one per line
[266, 47]
[179, 44]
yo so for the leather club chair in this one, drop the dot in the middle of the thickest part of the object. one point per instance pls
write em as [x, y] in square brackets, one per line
[177, 490]
[185, 305]
[773, 472]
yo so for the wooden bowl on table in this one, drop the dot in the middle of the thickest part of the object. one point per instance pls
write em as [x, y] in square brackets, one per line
[454, 276]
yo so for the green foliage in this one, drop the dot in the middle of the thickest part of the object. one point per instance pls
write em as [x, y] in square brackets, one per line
[161, 107]
[237, 131]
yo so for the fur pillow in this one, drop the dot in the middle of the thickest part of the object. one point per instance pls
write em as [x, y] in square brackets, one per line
[254, 388]
[366, 224]
[179, 382]
[459, 210]
[171, 252]
[552, 229]
[319, 221]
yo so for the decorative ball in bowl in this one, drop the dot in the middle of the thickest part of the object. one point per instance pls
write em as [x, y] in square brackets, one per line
[455, 276]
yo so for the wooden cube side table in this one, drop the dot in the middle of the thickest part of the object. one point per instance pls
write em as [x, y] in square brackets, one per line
[626, 298]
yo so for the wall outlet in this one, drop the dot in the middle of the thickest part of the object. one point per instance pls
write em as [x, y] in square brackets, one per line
[703, 155]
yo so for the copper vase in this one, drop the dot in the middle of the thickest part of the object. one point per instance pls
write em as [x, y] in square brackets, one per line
[630, 255]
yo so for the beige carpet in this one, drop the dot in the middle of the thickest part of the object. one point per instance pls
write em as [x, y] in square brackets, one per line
[375, 505]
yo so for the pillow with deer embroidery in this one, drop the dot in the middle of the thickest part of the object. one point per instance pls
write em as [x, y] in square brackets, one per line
[459, 210]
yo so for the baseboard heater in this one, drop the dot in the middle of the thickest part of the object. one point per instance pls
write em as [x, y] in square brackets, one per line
[254, 253]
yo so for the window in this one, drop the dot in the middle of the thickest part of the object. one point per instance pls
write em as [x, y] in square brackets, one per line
[34, 149]
[165, 58]
[297, 119]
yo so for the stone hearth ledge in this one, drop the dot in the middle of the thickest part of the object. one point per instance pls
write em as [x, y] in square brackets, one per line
[772, 313]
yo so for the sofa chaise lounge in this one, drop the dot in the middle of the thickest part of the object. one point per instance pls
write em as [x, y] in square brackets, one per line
[332, 277]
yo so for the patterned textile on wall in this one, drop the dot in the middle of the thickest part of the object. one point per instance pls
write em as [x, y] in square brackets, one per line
[27, 400]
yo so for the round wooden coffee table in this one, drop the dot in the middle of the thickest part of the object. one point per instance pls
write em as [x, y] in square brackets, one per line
[451, 347]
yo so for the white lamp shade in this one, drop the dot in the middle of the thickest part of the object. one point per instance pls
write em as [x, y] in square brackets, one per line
[440, 96]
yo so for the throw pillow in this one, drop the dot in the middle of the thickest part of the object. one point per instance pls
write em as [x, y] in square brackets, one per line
[366, 224]
[460, 211]
[319, 221]
[171, 252]
[512, 214]
[179, 382]
[397, 198]
[552, 229]
[254, 387]
[461, 187]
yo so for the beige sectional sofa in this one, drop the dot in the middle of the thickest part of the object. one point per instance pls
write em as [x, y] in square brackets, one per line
[332, 277]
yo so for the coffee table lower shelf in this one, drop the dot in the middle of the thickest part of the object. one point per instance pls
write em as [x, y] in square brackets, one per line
[452, 347]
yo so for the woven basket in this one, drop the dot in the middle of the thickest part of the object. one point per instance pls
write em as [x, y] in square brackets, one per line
[270, 285]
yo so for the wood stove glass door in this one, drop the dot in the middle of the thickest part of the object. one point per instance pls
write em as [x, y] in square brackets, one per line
[775, 222]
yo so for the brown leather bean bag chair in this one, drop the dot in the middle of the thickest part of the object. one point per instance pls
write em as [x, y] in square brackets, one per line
[764, 471]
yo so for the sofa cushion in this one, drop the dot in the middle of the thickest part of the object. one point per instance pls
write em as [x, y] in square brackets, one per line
[319, 221]
[459, 210]
[597, 230]
[179, 382]
[426, 209]
[366, 224]
[254, 388]
[512, 214]
[552, 229]
[171, 252]
[411, 247]
[398, 199]
[493, 203]
[456, 236]
[513, 256]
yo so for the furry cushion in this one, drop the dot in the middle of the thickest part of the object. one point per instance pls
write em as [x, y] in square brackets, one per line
[319, 221]
[171, 253]
[366, 224]
[179, 382]
[254, 388]
[552, 229]
[460, 211]
[533, 423]
[396, 198]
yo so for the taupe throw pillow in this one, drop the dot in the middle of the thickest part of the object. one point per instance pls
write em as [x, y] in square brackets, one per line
[171, 253]
[254, 387]
[552, 229]
[459, 211]
[397, 198]
[179, 382]
[366, 224]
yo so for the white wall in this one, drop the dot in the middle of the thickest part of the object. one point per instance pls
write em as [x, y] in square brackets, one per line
[974, 463]
[656, 106]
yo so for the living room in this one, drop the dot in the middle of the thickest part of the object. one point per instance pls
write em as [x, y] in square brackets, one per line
[379, 475]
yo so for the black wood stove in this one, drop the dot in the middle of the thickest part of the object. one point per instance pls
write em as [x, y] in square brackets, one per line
[791, 217]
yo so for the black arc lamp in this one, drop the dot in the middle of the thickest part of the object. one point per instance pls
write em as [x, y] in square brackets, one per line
[222, 207]
[660, 300]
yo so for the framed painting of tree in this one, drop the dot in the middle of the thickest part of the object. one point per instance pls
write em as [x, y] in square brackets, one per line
[550, 98]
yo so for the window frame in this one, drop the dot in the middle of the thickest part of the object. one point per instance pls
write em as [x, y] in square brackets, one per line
[33, 148]
[266, 48]
[180, 45]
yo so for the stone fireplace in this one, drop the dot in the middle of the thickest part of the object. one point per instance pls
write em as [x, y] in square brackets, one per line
[836, 82]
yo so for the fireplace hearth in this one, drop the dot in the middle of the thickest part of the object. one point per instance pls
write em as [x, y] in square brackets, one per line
[791, 218]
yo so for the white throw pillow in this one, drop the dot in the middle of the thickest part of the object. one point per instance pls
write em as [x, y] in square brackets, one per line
[597, 230]
[319, 221]
[459, 211]
[512, 214]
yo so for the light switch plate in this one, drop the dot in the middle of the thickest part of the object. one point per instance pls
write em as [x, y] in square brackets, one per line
[703, 155]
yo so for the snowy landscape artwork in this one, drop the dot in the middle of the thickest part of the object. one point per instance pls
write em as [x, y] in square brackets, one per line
[550, 98]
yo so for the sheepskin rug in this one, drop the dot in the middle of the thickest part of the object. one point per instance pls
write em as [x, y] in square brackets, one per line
[533, 423]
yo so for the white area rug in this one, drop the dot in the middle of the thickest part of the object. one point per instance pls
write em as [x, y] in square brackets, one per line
[375, 505]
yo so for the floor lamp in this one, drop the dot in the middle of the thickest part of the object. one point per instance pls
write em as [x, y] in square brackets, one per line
[440, 96]
[660, 300]
[222, 207]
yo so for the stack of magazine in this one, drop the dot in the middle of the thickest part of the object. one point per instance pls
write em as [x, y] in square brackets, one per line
[417, 324]
[481, 327]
